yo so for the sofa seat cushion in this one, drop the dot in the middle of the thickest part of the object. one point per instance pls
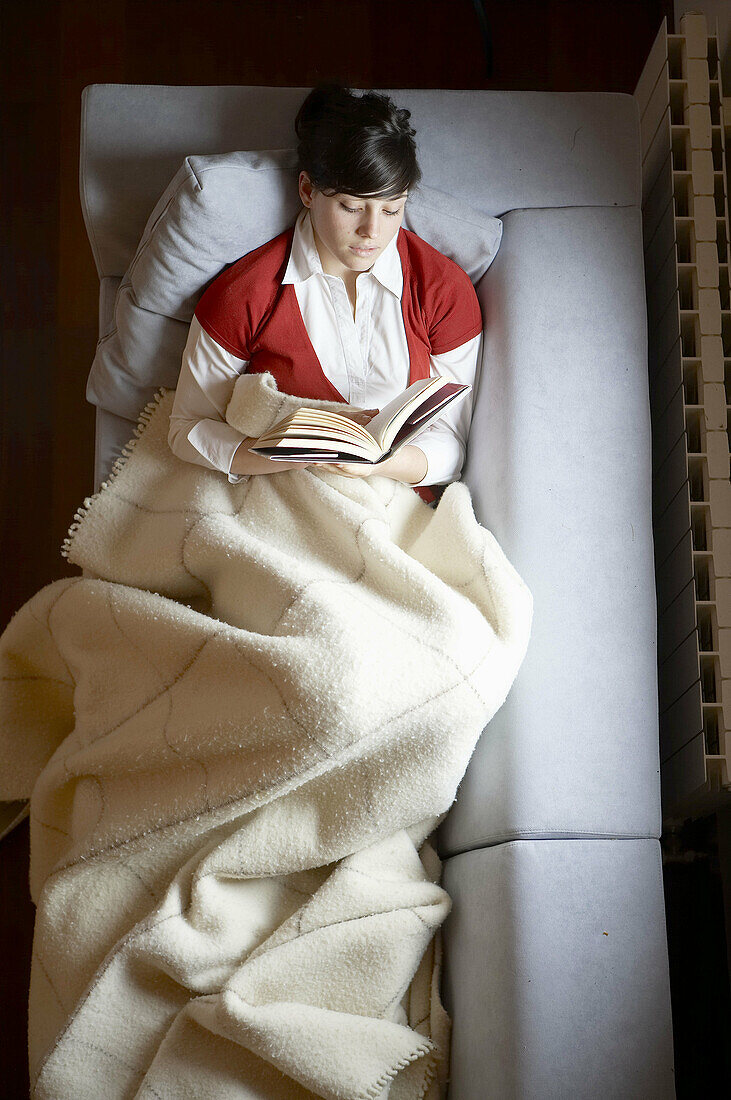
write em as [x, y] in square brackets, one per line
[559, 466]
[555, 972]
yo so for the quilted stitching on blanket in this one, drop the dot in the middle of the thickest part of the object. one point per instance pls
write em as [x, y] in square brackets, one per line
[238, 728]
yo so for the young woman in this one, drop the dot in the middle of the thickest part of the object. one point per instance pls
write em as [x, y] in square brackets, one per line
[345, 305]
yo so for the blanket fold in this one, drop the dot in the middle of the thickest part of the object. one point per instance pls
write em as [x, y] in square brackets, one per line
[238, 729]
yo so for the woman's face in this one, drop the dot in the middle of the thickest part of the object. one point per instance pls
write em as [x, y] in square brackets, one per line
[344, 226]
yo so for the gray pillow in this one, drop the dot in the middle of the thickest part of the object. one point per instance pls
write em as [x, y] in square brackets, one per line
[215, 210]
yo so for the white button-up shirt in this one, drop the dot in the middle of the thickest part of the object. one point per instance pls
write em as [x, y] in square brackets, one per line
[364, 356]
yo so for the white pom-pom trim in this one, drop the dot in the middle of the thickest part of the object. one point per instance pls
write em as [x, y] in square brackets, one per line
[119, 463]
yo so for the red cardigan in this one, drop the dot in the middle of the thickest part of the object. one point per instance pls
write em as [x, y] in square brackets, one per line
[248, 311]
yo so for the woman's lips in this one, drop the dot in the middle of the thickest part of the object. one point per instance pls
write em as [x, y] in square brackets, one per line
[361, 251]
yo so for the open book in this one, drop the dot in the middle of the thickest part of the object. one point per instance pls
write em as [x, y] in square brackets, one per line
[312, 435]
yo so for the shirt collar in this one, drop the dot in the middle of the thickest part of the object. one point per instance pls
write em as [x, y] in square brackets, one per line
[304, 259]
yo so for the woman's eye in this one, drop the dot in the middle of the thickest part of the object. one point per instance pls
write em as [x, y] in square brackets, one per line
[391, 213]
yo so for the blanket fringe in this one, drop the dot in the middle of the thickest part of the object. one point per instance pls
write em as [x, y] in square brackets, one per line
[142, 421]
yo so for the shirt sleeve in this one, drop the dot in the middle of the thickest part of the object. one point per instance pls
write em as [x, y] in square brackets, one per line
[445, 441]
[198, 429]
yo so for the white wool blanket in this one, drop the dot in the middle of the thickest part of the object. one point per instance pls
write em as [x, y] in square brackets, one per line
[237, 728]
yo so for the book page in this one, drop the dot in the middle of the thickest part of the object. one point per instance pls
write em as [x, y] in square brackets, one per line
[425, 410]
[395, 412]
[415, 425]
[318, 430]
[306, 430]
[305, 449]
[304, 420]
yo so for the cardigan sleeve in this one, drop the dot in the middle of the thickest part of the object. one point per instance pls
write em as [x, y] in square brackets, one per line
[445, 442]
[454, 313]
[198, 430]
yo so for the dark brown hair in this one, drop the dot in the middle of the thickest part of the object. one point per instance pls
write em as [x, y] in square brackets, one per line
[360, 145]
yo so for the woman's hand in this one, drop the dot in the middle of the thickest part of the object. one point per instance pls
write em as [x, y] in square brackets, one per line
[409, 465]
[361, 415]
[355, 469]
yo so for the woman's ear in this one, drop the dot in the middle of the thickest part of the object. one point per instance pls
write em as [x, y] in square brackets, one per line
[305, 188]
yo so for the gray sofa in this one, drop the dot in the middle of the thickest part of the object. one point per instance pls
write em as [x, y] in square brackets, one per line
[556, 966]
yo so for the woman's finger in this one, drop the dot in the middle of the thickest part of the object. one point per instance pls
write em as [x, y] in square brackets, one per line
[362, 415]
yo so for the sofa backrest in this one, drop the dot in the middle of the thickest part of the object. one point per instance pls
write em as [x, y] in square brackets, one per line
[497, 150]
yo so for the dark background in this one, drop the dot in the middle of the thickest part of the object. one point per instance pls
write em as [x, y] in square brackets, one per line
[49, 51]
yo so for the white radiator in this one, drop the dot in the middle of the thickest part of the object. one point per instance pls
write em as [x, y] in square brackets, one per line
[686, 242]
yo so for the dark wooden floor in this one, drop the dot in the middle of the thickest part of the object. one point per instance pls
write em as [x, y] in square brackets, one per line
[50, 51]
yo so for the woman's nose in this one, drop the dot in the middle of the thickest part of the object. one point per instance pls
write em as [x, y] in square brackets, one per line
[369, 228]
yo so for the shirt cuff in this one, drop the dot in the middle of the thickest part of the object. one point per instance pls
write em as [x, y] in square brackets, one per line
[234, 478]
[216, 441]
